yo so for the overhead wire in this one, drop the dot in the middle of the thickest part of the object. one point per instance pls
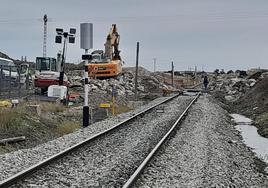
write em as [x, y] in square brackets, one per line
[150, 18]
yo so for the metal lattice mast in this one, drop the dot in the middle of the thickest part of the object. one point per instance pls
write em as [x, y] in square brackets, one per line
[45, 36]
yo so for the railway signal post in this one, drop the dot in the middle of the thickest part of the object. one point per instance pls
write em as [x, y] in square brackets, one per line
[86, 43]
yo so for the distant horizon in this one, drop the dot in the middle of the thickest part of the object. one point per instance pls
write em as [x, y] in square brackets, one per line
[163, 70]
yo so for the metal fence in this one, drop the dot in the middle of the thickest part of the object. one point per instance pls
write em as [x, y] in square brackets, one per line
[14, 82]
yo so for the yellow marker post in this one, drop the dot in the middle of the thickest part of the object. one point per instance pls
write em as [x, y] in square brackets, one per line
[106, 106]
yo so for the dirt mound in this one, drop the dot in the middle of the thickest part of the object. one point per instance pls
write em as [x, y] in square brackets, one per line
[255, 105]
[255, 101]
[256, 75]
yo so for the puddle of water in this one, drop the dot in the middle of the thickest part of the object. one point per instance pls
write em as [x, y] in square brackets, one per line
[251, 136]
[240, 119]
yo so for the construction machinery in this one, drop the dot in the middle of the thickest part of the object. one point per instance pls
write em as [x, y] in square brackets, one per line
[47, 72]
[107, 64]
[25, 74]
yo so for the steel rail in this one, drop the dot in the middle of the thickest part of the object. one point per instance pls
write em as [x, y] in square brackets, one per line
[15, 178]
[138, 171]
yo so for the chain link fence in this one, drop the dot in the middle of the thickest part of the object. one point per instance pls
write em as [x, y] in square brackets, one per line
[15, 82]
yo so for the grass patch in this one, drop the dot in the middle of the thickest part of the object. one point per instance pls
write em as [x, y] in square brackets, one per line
[51, 107]
[11, 118]
[67, 127]
[121, 109]
[20, 121]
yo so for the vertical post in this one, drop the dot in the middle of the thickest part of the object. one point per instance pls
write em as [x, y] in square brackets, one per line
[91, 114]
[19, 71]
[85, 107]
[113, 109]
[172, 74]
[195, 74]
[45, 36]
[61, 79]
[9, 81]
[27, 78]
[113, 100]
[86, 42]
[1, 75]
[137, 67]
[154, 63]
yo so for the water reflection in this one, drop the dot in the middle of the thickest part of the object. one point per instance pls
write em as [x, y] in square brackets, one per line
[251, 136]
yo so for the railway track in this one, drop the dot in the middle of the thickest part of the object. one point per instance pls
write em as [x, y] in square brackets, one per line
[139, 170]
[109, 157]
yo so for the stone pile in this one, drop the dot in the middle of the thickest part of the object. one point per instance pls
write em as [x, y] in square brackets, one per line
[233, 88]
[124, 84]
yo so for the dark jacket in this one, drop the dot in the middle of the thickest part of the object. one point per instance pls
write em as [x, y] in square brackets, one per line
[205, 80]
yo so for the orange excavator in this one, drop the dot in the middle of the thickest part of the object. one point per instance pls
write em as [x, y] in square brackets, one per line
[107, 64]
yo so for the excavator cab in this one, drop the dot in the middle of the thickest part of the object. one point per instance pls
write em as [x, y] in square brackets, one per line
[97, 57]
[46, 64]
[47, 73]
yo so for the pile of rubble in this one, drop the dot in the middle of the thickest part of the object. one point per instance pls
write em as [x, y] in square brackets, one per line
[233, 88]
[123, 84]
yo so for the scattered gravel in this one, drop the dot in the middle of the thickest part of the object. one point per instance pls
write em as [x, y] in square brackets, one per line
[12, 163]
[109, 161]
[206, 151]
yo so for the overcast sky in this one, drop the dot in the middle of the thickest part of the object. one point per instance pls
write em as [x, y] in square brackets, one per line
[209, 34]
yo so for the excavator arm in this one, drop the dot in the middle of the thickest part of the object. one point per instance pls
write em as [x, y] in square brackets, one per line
[112, 44]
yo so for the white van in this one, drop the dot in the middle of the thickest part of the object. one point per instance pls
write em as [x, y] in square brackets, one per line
[7, 66]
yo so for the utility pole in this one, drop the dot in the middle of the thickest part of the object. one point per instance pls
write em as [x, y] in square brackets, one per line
[195, 73]
[45, 36]
[137, 67]
[154, 63]
[172, 74]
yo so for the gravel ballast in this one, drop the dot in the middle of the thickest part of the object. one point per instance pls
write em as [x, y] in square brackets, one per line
[206, 151]
[12, 163]
[109, 160]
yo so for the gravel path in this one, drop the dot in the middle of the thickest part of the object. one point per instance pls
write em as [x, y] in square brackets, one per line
[206, 151]
[109, 161]
[12, 163]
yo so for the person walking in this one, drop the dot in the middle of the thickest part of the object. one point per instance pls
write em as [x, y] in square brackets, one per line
[205, 82]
